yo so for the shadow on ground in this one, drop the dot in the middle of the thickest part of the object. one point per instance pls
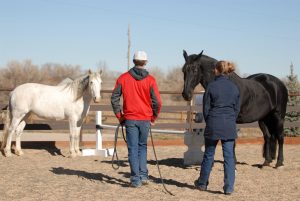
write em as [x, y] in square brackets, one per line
[48, 146]
[89, 176]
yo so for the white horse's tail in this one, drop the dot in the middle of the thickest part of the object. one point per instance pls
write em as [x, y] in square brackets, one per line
[7, 123]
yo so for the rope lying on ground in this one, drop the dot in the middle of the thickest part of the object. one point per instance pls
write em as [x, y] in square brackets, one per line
[157, 165]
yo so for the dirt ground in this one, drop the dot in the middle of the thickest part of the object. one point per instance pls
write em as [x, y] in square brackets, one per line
[44, 173]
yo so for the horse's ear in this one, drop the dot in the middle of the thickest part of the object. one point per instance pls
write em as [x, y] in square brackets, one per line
[101, 72]
[200, 55]
[90, 71]
[185, 55]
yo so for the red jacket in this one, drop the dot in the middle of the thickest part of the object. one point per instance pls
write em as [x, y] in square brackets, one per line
[141, 98]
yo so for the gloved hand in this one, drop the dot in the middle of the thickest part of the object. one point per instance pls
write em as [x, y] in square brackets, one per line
[122, 120]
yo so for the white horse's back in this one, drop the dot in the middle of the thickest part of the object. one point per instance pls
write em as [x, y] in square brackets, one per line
[43, 100]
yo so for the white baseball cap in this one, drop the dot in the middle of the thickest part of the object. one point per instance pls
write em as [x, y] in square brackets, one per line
[140, 55]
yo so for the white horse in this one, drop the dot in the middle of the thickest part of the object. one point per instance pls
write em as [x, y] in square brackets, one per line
[68, 101]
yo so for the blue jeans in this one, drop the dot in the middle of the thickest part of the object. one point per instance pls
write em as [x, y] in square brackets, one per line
[136, 136]
[208, 160]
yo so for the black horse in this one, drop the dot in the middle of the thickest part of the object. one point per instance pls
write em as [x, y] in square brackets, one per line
[263, 98]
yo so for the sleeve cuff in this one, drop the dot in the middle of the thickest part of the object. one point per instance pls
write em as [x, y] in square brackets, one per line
[119, 115]
[153, 118]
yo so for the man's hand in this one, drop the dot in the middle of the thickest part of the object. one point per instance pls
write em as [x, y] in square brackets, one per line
[122, 120]
[152, 122]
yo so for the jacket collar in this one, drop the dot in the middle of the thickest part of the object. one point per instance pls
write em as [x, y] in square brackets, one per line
[221, 77]
[138, 73]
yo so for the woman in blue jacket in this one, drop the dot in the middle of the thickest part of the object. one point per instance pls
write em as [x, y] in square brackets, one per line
[220, 110]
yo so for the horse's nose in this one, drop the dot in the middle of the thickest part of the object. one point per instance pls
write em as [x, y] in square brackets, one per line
[186, 96]
[97, 99]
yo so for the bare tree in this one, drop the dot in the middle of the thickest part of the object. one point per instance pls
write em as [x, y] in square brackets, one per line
[17, 73]
[55, 73]
[159, 76]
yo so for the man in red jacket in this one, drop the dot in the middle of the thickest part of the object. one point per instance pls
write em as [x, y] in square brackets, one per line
[141, 107]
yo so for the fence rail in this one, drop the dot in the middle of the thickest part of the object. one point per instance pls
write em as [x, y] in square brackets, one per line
[185, 122]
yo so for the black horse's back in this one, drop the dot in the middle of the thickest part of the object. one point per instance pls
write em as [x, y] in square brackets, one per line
[276, 89]
[260, 95]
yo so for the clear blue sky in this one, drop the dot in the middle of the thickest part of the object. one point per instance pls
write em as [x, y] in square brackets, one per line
[258, 35]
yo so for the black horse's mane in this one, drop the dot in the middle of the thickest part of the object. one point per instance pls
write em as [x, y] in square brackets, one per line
[203, 58]
[207, 57]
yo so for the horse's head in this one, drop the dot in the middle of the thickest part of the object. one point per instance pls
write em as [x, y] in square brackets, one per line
[192, 74]
[95, 82]
[196, 70]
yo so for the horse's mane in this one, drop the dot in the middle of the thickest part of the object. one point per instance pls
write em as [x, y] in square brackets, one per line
[78, 86]
[209, 59]
[203, 58]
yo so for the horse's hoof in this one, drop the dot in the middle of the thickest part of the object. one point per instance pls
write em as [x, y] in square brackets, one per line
[7, 153]
[72, 155]
[279, 165]
[78, 153]
[266, 163]
[19, 152]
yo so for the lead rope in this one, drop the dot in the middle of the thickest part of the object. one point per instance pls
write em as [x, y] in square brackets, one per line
[115, 158]
[115, 153]
[115, 163]
[157, 165]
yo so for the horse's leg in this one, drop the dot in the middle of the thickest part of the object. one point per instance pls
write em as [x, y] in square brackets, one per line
[77, 141]
[19, 132]
[4, 139]
[72, 138]
[267, 138]
[7, 123]
[11, 130]
[80, 139]
[235, 160]
[280, 137]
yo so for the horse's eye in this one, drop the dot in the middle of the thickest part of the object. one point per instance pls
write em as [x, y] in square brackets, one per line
[91, 82]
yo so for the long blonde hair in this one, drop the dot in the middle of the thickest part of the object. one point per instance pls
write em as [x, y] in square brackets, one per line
[224, 67]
